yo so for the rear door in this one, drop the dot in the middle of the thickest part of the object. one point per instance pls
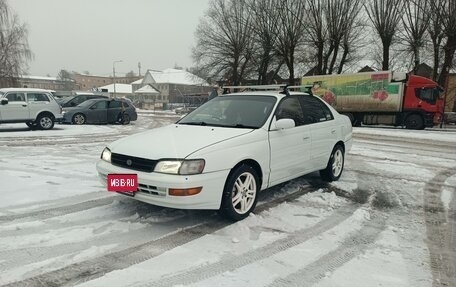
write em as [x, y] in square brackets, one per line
[38, 102]
[290, 148]
[114, 110]
[17, 108]
[323, 129]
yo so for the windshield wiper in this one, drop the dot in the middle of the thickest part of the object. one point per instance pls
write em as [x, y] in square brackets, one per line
[194, 123]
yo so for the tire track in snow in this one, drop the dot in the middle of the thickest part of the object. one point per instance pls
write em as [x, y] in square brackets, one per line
[60, 210]
[441, 231]
[97, 267]
[298, 237]
[354, 245]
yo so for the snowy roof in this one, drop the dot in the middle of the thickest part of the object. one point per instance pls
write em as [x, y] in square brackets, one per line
[120, 88]
[174, 76]
[137, 81]
[147, 89]
[39, 78]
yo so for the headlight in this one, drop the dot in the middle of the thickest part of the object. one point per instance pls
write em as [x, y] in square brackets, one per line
[183, 167]
[106, 155]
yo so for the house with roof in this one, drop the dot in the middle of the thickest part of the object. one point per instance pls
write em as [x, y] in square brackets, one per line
[173, 86]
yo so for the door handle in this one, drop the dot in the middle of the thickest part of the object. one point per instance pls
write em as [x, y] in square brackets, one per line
[333, 131]
[24, 105]
[306, 138]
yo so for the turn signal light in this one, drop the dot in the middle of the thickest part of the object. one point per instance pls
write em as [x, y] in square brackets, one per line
[184, 191]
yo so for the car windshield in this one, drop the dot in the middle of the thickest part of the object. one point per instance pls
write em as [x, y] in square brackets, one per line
[237, 111]
[64, 100]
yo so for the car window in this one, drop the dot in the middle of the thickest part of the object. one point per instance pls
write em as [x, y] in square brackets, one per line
[16, 97]
[115, 104]
[100, 105]
[314, 110]
[429, 95]
[37, 97]
[290, 108]
[125, 105]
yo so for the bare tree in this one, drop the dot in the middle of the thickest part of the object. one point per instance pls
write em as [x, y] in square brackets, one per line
[265, 27]
[14, 48]
[224, 41]
[385, 16]
[291, 33]
[316, 30]
[415, 22]
[436, 34]
[448, 16]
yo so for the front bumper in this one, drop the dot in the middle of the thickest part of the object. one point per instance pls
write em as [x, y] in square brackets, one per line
[153, 187]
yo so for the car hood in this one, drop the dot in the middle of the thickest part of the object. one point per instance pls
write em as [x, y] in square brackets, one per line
[173, 141]
[72, 109]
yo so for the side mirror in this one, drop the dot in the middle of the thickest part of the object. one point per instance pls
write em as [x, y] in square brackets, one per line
[4, 102]
[283, 124]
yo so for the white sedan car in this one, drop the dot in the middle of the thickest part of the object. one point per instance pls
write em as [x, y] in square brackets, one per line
[222, 154]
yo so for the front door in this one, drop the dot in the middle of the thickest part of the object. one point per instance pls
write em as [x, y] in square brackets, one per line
[17, 108]
[290, 148]
[98, 112]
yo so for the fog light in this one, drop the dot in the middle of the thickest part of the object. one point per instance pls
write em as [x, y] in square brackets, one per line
[184, 191]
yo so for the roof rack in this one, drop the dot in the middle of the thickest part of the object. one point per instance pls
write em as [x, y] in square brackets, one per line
[284, 87]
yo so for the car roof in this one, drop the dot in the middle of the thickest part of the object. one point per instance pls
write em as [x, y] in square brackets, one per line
[24, 90]
[277, 94]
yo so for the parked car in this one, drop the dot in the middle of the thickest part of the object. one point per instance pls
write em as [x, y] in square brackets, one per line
[97, 111]
[450, 118]
[223, 153]
[73, 101]
[35, 107]
[184, 110]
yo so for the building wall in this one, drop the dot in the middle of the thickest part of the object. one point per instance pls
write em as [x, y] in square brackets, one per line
[88, 82]
[450, 102]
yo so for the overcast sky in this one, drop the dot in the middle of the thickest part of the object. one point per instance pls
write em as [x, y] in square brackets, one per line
[88, 35]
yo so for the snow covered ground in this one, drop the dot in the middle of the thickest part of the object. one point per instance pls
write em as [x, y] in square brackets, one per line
[389, 221]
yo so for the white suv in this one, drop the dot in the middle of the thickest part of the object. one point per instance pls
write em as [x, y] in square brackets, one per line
[35, 107]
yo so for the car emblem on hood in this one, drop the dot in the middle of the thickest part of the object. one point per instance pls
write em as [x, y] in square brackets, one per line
[129, 162]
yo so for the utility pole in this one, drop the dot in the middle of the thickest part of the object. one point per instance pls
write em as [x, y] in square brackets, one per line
[139, 69]
[114, 74]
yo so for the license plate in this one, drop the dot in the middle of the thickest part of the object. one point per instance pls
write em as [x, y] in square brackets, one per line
[123, 183]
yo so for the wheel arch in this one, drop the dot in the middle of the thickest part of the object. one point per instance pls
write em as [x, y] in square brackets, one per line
[253, 164]
[43, 113]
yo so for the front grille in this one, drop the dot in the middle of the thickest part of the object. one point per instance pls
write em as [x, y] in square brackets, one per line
[152, 190]
[131, 162]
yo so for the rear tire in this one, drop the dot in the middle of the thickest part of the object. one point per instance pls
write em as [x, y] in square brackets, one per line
[240, 194]
[335, 166]
[414, 122]
[125, 120]
[45, 122]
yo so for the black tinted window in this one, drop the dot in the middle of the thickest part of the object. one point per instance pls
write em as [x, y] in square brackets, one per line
[314, 110]
[125, 105]
[290, 108]
[15, 97]
[115, 104]
[428, 95]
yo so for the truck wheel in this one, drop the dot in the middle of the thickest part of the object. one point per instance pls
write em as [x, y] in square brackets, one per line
[45, 122]
[414, 122]
[335, 166]
[79, 119]
[240, 193]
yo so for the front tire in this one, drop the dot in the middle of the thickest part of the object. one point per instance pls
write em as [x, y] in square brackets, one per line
[414, 122]
[335, 166]
[79, 119]
[240, 193]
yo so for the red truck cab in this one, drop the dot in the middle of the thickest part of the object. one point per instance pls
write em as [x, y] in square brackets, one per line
[425, 98]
